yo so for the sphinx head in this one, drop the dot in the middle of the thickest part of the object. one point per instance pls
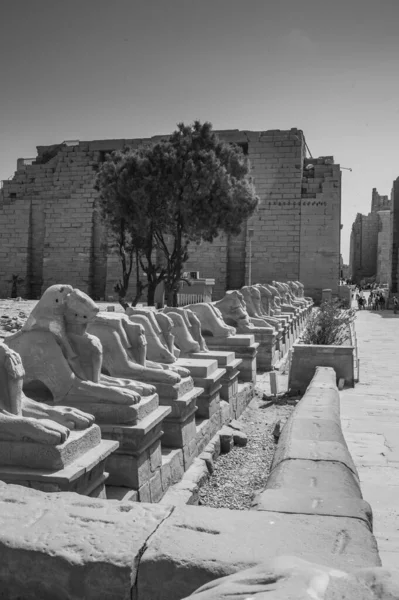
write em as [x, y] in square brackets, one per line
[54, 298]
[80, 308]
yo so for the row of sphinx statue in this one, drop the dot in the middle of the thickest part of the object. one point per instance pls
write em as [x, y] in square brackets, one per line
[71, 365]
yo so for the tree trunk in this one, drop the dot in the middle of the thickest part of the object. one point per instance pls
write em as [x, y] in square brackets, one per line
[151, 293]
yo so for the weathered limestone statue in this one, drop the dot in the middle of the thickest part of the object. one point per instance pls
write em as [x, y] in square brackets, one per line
[181, 331]
[192, 323]
[124, 352]
[286, 577]
[253, 303]
[157, 348]
[267, 302]
[23, 419]
[211, 319]
[302, 293]
[234, 312]
[274, 301]
[301, 302]
[59, 354]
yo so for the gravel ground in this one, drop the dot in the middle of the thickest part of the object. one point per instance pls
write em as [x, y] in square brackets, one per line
[243, 472]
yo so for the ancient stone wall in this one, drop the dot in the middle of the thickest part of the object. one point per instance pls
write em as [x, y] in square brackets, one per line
[364, 241]
[370, 247]
[370, 226]
[379, 202]
[53, 230]
[384, 247]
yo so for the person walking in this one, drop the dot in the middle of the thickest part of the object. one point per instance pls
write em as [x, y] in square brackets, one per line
[370, 301]
[395, 305]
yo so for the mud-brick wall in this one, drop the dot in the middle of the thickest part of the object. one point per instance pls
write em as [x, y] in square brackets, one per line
[320, 220]
[276, 159]
[63, 229]
[15, 217]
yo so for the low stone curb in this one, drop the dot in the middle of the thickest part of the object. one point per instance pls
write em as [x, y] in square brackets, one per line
[312, 470]
[186, 491]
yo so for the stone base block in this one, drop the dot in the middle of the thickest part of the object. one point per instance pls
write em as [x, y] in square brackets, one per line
[116, 413]
[167, 391]
[245, 394]
[134, 470]
[198, 367]
[134, 439]
[83, 475]
[266, 351]
[172, 469]
[189, 453]
[178, 433]
[43, 456]
[229, 388]
[206, 429]
[244, 347]
[208, 404]
[152, 490]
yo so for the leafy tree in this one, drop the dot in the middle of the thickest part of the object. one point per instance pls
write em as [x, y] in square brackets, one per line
[181, 190]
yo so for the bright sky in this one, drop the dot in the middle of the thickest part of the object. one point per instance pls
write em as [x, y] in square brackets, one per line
[96, 69]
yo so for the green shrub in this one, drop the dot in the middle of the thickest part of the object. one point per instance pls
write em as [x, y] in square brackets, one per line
[329, 325]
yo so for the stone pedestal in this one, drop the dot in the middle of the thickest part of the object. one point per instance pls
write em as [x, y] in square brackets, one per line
[137, 462]
[266, 356]
[231, 364]
[244, 348]
[206, 375]
[77, 465]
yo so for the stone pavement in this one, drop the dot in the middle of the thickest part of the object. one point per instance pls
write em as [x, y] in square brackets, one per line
[370, 422]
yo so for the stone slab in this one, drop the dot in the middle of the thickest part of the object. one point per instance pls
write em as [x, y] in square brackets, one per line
[232, 341]
[194, 546]
[133, 471]
[210, 382]
[183, 406]
[168, 391]
[65, 477]
[309, 502]
[223, 358]
[114, 413]
[134, 439]
[65, 546]
[45, 456]
[198, 367]
[316, 477]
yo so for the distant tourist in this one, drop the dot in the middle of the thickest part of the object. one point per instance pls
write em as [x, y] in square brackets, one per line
[395, 305]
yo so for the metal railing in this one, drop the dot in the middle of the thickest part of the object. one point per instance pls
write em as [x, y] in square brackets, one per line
[184, 299]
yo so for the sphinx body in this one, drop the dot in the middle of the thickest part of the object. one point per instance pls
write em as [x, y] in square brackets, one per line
[190, 329]
[124, 352]
[157, 349]
[267, 302]
[234, 312]
[47, 364]
[253, 303]
[24, 419]
[182, 331]
[158, 353]
[211, 319]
